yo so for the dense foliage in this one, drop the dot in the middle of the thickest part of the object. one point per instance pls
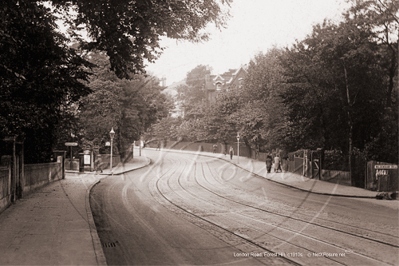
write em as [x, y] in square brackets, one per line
[127, 106]
[129, 31]
[43, 78]
[336, 90]
[39, 76]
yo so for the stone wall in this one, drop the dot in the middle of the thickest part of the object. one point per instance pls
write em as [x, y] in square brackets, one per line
[38, 175]
[35, 176]
[206, 147]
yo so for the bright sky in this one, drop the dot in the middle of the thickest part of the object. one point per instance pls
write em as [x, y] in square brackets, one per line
[255, 25]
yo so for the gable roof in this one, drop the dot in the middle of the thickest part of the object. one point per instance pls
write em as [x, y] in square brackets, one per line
[239, 74]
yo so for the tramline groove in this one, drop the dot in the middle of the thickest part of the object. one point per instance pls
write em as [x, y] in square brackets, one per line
[329, 228]
[248, 217]
[190, 213]
[316, 224]
[172, 187]
[180, 203]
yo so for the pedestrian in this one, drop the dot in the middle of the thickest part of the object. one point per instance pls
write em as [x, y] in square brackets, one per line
[269, 161]
[277, 162]
[158, 145]
[214, 148]
[231, 151]
[98, 165]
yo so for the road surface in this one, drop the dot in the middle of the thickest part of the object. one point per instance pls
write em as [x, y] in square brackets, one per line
[196, 210]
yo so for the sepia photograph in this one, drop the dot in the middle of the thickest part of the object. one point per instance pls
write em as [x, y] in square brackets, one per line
[199, 132]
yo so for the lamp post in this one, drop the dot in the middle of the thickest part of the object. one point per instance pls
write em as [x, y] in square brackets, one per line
[141, 143]
[238, 147]
[111, 134]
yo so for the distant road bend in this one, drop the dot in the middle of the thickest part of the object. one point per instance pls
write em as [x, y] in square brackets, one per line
[196, 210]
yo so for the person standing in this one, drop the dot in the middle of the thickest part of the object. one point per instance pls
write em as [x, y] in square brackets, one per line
[231, 151]
[158, 146]
[277, 163]
[269, 161]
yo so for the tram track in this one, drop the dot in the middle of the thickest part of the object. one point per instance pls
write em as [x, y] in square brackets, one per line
[180, 203]
[163, 197]
[192, 206]
[243, 219]
[393, 240]
[306, 222]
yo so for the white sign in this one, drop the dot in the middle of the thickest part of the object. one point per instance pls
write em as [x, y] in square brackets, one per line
[107, 143]
[71, 144]
[86, 159]
[381, 172]
[382, 166]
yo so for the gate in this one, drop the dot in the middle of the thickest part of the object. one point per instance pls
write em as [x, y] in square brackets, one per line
[316, 158]
[298, 165]
[316, 169]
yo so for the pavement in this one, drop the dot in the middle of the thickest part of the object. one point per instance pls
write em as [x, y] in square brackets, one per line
[54, 224]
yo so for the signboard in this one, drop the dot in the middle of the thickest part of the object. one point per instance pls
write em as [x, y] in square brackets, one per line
[381, 172]
[384, 166]
[10, 138]
[86, 158]
[107, 143]
[71, 144]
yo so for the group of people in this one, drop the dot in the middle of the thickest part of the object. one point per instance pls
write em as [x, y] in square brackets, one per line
[269, 161]
[276, 161]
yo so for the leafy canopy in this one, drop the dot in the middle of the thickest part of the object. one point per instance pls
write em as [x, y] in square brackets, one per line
[130, 31]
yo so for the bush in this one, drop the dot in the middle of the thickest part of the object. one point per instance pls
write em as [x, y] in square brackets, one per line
[335, 160]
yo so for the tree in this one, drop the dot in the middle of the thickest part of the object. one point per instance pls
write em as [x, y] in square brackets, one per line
[128, 106]
[220, 120]
[40, 77]
[262, 116]
[338, 69]
[129, 31]
[192, 95]
[311, 100]
[380, 19]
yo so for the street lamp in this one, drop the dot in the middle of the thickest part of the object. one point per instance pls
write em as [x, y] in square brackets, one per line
[111, 134]
[238, 147]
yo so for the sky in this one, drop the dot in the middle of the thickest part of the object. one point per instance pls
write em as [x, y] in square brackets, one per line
[255, 26]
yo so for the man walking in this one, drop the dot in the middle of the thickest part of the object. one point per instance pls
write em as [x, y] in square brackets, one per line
[231, 151]
[269, 162]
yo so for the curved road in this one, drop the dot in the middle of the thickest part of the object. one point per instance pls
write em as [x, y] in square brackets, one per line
[190, 209]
